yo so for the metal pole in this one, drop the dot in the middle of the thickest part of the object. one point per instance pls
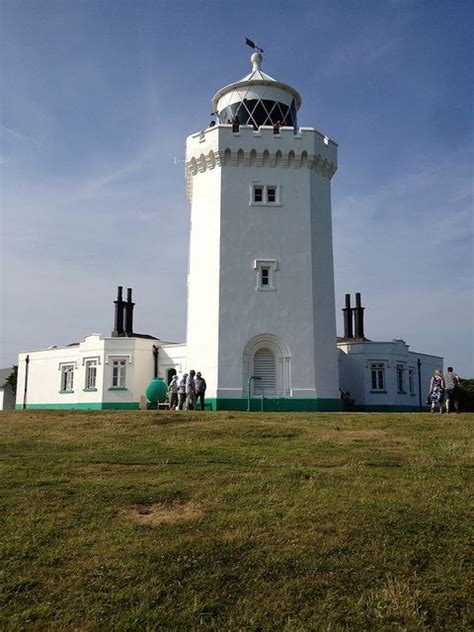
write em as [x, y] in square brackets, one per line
[155, 361]
[418, 363]
[27, 362]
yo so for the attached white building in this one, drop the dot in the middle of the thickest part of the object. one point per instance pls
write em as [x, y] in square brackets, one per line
[381, 376]
[97, 373]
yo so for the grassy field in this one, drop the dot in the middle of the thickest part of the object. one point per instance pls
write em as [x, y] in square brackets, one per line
[234, 521]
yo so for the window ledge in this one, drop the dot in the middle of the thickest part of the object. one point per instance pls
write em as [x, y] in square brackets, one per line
[266, 289]
[118, 388]
[89, 390]
[402, 393]
[379, 392]
[271, 204]
[65, 392]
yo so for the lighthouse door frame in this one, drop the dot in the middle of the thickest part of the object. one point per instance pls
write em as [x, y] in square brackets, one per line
[282, 355]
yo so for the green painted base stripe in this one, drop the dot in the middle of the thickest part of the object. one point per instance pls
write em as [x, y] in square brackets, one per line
[82, 406]
[269, 405]
[274, 404]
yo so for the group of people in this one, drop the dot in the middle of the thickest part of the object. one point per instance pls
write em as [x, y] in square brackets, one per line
[443, 391]
[185, 392]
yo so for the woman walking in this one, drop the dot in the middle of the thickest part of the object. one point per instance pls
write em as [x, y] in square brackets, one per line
[437, 387]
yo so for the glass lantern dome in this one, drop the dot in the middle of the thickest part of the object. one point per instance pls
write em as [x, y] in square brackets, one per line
[257, 100]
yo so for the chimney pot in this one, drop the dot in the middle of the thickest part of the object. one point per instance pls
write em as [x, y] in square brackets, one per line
[128, 307]
[347, 314]
[359, 317]
[118, 317]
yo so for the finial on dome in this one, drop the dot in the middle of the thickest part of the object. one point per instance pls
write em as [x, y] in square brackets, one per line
[256, 59]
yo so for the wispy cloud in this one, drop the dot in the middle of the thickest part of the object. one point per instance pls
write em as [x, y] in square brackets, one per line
[96, 108]
[11, 133]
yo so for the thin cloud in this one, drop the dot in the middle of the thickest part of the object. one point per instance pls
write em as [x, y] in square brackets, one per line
[12, 133]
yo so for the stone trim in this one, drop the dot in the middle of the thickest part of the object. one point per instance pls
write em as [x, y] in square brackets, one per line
[266, 158]
[253, 158]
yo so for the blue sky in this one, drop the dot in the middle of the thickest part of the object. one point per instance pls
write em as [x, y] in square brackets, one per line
[98, 98]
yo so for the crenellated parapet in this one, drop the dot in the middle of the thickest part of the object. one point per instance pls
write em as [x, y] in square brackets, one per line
[219, 146]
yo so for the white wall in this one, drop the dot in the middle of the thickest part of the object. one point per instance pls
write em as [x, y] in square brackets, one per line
[203, 266]
[44, 374]
[355, 359]
[228, 233]
[174, 356]
[7, 398]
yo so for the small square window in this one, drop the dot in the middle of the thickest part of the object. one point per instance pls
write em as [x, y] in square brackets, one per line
[265, 195]
[265, 273]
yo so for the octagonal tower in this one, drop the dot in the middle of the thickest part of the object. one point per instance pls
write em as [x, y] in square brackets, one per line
[261, 314]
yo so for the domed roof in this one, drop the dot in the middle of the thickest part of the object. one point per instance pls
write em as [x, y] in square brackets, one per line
[257, 99]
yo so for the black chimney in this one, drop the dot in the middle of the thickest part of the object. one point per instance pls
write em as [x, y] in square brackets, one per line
[118, 320]
[129, 313]
[155, 361]
[359, 318]
[347, 311]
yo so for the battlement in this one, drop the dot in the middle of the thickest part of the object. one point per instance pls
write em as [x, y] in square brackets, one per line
[220, 146]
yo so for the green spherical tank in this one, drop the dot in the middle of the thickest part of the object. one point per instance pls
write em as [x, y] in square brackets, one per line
[156, 390]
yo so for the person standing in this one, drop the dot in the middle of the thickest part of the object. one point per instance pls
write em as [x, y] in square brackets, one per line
[200, 388]
[437, 387]
[191, 391]
[182, 391]
[173, 392]
[451, 381]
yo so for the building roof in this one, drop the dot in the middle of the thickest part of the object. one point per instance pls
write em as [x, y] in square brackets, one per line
[257, 99]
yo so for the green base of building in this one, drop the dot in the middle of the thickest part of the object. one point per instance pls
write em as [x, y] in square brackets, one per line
[268, 404]
[274, 404]
[282, 405]
[82, 406]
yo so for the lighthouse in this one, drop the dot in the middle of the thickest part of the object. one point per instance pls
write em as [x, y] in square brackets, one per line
[261, 309]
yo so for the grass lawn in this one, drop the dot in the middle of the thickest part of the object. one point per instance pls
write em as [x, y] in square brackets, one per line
[235, 521]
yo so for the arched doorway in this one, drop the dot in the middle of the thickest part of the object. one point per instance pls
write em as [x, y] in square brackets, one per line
[264, 367]
[267, 357]
[169, 375]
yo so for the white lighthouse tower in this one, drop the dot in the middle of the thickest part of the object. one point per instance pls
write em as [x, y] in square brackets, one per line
[261, 313]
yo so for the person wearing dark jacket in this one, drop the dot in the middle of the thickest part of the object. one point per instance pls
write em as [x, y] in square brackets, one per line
[200, 389]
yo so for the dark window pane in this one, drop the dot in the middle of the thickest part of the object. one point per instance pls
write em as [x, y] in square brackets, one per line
[293, 113]
[258, 112]
[258, 194]
[259, 115]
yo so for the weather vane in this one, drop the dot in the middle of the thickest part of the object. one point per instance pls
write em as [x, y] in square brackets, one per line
[253, 45]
